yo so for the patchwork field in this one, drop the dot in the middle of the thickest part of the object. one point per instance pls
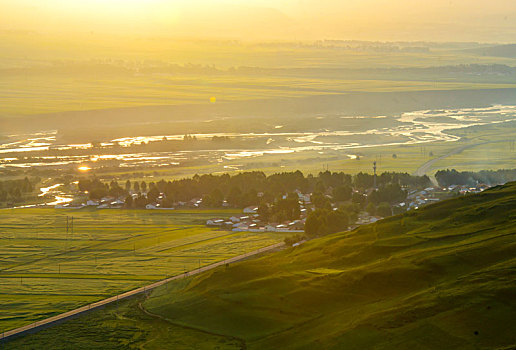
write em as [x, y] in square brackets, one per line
[426, 279]
[45, 271]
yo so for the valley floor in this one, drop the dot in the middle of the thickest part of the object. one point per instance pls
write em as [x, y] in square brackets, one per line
[440, 277]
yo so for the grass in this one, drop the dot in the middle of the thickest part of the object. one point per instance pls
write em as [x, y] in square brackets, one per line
[51, 94]
[441, 277]
[44, 74]
[45, 271]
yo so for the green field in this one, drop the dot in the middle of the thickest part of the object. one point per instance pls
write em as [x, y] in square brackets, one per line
[44, 74]
[438, 278]
[49, 94]
[45, 271]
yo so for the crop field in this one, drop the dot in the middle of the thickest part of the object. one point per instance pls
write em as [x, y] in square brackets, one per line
[93, 75]
[426, 279]
[45, 271]
[57, 94]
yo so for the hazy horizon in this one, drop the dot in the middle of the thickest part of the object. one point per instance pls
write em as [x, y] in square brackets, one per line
[371, 20]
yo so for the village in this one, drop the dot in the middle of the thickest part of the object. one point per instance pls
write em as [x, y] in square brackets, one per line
[250, 219]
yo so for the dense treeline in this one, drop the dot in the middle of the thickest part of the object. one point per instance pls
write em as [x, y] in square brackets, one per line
[274, 194]
[13, 190]
[325, 221]
[490, 177]
[250, 188]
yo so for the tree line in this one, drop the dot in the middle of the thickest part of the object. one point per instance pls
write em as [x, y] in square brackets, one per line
[274, 194]
[14, 190]
[489, 177]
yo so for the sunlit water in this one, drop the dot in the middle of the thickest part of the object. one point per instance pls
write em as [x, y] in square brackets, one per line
[417, 127]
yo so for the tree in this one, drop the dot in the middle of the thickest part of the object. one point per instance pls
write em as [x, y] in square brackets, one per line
[358, 198]
[342, 193]
[128, 185]
[320, 201]
[313, 223]
[336, 221]
[392, 193]
[384, 209]
[27, 186]
[214, 199]
[143, 186]
[16, 194]
[323, 221]
[363, 181]
[141, 201]
[153, 194]
[287, 209]
[352, 210]
[234, 196]
[136, 186]
[128, 203]
[319, 187]
[371, 208]
[264, 212]
[115, 190]
[167, 203]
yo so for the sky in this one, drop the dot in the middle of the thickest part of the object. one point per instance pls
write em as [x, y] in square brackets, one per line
[385, 20]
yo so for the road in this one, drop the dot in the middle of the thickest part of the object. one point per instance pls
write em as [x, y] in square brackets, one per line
[423, 169]
[36, 326]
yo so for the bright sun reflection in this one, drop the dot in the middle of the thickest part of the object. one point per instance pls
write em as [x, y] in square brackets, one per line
[84, 168]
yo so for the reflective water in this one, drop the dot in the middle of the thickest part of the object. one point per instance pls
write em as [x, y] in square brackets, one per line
[412, 127]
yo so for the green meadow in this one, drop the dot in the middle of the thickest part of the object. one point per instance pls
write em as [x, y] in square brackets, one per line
[158, 71]
[441, 277]
[51, 94]
[45, 271]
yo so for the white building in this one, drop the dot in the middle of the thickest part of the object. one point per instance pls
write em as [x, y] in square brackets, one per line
[214, 222]
[251, 210]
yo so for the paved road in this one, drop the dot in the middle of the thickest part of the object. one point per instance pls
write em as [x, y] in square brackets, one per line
[423, 169]
[36, 326]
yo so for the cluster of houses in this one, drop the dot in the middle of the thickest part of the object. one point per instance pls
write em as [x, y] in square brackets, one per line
[417, 199]
[250, 222]
[104, 203]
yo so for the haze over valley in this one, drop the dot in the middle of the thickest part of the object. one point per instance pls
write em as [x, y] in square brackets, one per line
[276, 174]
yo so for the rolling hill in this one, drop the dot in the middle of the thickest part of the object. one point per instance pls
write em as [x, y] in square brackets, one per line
[508, 50]
[441, 277]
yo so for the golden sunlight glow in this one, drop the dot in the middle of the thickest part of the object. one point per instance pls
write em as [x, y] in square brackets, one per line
[84, 168]
[255, 19]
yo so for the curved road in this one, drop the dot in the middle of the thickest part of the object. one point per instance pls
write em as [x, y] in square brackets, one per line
[423, 169]
[36, 326]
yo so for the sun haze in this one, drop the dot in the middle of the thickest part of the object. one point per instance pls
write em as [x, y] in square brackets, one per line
[439, 20]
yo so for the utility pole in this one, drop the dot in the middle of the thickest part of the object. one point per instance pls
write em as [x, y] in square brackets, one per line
[374, 171]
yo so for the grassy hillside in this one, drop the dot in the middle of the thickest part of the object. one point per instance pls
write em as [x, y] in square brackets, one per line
[438, 278]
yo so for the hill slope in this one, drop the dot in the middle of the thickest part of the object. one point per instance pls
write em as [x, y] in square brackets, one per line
[508, 50]
[441, 277]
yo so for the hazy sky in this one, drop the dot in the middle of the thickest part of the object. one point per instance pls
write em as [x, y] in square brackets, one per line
[439, 20]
